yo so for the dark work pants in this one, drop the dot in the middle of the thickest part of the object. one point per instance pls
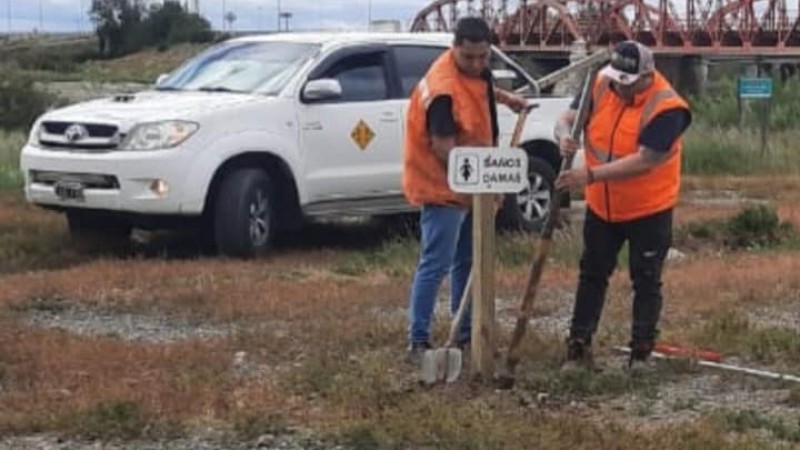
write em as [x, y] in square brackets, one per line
[649, 239]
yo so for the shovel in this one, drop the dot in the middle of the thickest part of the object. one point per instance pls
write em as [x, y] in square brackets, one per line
[506, 377]
[444, 364]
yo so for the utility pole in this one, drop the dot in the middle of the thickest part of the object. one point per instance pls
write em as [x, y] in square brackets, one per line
[279, 16]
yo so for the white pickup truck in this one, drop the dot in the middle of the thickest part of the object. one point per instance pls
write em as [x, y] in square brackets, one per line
[259, 133]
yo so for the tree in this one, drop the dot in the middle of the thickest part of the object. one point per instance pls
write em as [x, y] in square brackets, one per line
[170, 23]
[118, 25]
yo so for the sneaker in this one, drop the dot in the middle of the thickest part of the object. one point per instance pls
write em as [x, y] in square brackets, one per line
[579, 356]
[416, 350]
[642, 366]
[640, 361]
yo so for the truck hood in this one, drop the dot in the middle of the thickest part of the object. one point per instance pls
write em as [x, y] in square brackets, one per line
[126, 110]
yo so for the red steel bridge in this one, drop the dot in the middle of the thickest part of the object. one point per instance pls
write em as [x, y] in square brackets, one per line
[680, 27]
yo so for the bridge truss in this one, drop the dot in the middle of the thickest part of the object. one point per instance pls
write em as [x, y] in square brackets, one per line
[721, 27]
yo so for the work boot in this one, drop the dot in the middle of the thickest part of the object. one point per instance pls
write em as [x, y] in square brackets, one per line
[640, 362]
[416, 350]
[579, 356]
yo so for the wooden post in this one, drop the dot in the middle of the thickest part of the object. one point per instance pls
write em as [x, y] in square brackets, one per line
[483, 256]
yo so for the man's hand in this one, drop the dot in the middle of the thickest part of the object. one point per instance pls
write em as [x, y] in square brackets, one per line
[568, 146]
[516, 102]
[574, 179]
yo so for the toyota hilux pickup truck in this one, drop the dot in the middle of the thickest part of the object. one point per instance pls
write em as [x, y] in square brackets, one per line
[258, 134]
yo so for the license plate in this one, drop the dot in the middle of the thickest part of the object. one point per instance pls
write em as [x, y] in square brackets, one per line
[69, 190]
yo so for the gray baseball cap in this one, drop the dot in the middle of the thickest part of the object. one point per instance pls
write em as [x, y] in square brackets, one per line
[629, 61]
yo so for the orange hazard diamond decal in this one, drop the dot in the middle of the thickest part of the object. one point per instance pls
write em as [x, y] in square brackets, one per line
[362, 135]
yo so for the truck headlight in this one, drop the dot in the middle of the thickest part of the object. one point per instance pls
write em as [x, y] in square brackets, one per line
[159, 135]
[33, 136]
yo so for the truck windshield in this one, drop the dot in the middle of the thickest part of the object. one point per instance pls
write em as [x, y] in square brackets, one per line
[252, 67]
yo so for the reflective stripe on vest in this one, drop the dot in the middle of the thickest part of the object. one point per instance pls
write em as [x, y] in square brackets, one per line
[650, 106]
[647, 113]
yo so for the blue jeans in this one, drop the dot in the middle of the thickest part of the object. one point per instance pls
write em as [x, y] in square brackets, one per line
[446, 246]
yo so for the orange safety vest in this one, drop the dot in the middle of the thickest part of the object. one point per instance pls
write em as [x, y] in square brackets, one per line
[612, 132]
[424, 174]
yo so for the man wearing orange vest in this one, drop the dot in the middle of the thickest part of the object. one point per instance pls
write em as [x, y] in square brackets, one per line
[632, 145]
[453, 105]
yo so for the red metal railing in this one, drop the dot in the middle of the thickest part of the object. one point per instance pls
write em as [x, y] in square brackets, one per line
[690, 27]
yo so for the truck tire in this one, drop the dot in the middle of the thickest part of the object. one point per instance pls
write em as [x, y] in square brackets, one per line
[528, 210]
[243, 214]
[92, 224]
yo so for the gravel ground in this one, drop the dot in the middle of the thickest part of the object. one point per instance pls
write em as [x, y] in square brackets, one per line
[265, 442]
[694, 396]
[127, 327]
[775, 318]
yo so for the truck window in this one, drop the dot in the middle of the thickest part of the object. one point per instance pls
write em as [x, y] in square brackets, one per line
[362, 77]
[412, 64]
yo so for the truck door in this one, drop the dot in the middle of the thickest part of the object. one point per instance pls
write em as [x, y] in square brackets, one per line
[350, 141]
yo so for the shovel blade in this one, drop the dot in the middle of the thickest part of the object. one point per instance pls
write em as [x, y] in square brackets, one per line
[428, 375]
[441, 365]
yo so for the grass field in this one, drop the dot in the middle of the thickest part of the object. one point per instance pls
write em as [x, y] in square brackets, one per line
[10, 146]
[311, 340]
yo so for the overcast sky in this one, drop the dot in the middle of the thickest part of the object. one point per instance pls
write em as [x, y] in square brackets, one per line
[71, 15]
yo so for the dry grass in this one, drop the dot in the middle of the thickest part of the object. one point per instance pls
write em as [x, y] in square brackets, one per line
[319, 329]
[143, 67]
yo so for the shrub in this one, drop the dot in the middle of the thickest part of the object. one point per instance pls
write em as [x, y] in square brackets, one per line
[20, 102]
[756, 227]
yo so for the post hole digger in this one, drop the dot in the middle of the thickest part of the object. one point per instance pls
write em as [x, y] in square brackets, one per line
[505, 379]
[445, 364]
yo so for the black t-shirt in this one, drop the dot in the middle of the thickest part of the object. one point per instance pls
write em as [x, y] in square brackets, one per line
[663, 129]
[441, 121]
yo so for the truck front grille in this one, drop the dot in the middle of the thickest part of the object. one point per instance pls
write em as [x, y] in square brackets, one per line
[79, 137]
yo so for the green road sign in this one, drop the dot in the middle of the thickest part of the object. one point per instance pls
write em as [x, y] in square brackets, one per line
[755, 87]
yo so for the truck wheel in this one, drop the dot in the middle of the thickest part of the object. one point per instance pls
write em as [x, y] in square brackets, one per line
[528, 210]
[93, 224]
[243, 214]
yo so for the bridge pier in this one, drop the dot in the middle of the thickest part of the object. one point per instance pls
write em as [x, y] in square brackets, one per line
[688, 74]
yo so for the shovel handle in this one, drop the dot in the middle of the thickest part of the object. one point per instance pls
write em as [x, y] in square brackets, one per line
[459, 317]
[545, 239]
[522, 116]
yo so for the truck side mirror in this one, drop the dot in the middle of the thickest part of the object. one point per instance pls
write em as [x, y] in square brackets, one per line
[322, 89]
[504, 75]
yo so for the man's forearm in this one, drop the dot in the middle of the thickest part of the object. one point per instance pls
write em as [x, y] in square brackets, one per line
[502, 96]
[626, 167]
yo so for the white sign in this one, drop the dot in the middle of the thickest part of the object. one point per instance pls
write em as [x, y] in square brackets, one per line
[482, 170]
